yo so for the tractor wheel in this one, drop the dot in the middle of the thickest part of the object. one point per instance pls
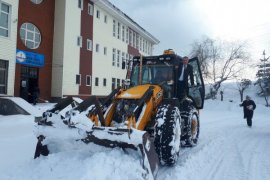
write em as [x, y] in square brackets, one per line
[191, 128]
[167, 133]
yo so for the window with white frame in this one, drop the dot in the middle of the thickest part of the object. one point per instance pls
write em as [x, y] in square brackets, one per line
[118, 30]
[130, 37]
[97, 47]
[4, 19]
[88, 80]
[98, 14]
[89, 44]
[113, 56]
[90, 9]
[79, 41]
[104, 82]
[114, 28]
[105, 50]
[3, 76]
[80, 4]
[118, 83]
[127, 35]
[30, 35]
[78, 79]
[134, 39]
[105, 18]
[123, 59]
[140, 39]
[113, 83]
[127, 60]
[96, 81]
[118, 58]
[137, 41]
[123, 33]
[36, 1]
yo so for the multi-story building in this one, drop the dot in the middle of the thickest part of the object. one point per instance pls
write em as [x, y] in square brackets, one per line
[34, 48]
[72, 47]
[8, 35]
[117, 38]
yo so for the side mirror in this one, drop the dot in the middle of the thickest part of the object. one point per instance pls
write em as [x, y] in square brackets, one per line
[127, 82]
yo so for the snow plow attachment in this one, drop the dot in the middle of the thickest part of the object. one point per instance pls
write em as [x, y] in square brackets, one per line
[56, 133]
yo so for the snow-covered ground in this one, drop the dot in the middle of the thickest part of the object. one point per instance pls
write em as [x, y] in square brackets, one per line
[227, 149]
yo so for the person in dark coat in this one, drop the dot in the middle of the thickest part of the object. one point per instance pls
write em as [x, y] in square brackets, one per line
[248, 106]
[185, 72]
[35, 94]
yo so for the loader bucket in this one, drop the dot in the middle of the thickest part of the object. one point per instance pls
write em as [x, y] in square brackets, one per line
[131, 139]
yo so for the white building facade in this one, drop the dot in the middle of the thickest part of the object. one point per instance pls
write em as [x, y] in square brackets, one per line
[8, 39]
[117, 38]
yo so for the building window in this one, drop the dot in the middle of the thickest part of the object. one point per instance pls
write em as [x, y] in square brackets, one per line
[90, 9]
[97, 47]
[127, 35]
[105, 50]
[104, 82]
[127, 60]
[89, 44]
[79, 41]
[118, 58]
[113, 83]
[78, 79]
[137, 41]
[98, 14]
[118, 83]
[130, 37]
[114, 28]
[134, 39]
[80, 4]
[105, 18]
[113, 57]
[36, 1]
[140, 39]
[3, 76]
[4, 19]
[96, 81]
[30, 35]
[118, 30]
[123, 59]
[88, 80]
[123, 33]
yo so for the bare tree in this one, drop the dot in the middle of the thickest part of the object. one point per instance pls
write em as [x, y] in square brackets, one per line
[220, 60]
[242, 85]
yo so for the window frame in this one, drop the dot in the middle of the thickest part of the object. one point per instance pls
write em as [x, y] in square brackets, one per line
[80, 4]
[89, 44]
[5, 69]
[7, 29]
[79, 41]
[88, 77]
[80, 80]
[27, 31]
[97, 47]
[96, 81]
[98, 14]
[90, 9]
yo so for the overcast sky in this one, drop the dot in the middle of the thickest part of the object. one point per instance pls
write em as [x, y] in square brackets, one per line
[177, 23]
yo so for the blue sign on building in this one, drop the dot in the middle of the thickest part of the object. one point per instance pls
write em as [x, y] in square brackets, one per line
[29, 58]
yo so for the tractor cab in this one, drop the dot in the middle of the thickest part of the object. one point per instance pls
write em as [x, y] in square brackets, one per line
[163, 70]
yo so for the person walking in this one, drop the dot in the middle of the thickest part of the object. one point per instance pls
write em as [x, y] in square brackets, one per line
[248, 107]
[185, 72]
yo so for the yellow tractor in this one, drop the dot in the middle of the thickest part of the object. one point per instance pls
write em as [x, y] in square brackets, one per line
[146, 114]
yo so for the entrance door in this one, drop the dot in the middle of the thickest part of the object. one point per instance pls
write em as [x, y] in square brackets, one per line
[29, 80]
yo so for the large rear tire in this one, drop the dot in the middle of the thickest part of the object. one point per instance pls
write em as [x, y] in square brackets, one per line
[167, 133]
[190, 127]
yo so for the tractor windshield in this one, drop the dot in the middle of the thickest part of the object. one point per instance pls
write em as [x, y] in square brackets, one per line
[151, 74]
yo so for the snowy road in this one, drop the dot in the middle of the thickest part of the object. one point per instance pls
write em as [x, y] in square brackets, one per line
[227, 149]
